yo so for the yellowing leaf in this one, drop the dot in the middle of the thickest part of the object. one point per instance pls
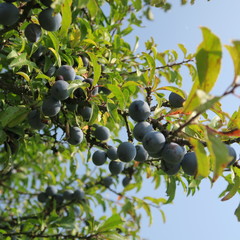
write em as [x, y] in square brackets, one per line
[58, 58]
[192, 100]
[235, 54]
[26, 77]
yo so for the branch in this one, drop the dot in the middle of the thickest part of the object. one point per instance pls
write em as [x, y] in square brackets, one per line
[17, 191]
[131, 199]
[129, 133]
[55, 236]
[230, 90]
[170, 65]
[174, 133]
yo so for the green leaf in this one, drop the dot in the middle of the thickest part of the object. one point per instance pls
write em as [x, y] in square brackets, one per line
[113, 236]
[57, 56]
[200, 101]
[130, 84]
[76, 84]
[192, 100]
[218, 152]
[206, 102]
[84, 26]
[96, 68]
[82, 3]
[130, 186]
[111, 223]
[237, 212]
[202, 158]
[113, 110]
[147, 209]
[94, 114]
[163, 215]
[157, 201]
[12, 116]
[233, 190]
[3, 136]
[93, 8]
[117, 92]
[66, 17]
[12, 54]
[183, 49]
[149, 14]
[126, 31]
[136, 44]
[21, 60]
[173, 89]
[235, 54]
[171, 189]
[137, 4]
[151, 64]
[234, 122]
[54, 40]
[208, 59]
[64, 222]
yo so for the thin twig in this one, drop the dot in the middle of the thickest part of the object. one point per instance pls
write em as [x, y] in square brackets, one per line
[170, 65]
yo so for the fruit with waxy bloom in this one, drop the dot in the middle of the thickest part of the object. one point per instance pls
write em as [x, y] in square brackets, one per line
[75, 136]
[139, 110]
[126, 151]
[49, 20]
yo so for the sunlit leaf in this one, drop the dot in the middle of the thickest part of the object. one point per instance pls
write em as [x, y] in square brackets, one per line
[117, 92]
[66, 17]
[111, 223]
[151, 64]
[57, 56]
[202, 158]
[54, 40]
[208, 58]
[93, 8]
[183, 49]
[23, 74]
[235, 120]
[173, 89]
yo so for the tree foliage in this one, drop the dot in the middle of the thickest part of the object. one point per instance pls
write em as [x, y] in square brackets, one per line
[71, 95]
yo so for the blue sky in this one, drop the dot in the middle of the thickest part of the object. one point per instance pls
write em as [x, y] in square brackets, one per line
[202, 216]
